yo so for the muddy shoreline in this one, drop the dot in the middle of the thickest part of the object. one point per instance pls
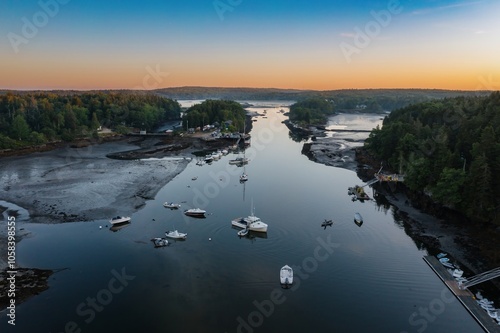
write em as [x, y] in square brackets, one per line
[79, 182]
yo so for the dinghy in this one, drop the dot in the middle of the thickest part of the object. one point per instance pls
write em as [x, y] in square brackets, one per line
[159, 242]
[286, 275]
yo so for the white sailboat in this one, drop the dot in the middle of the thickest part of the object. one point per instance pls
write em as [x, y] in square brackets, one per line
[251, 222]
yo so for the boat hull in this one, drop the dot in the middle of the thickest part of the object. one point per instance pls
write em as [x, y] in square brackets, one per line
[252, 226]
[115, 221]
[195, 213]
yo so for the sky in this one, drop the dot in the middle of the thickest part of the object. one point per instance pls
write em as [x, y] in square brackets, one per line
[318, 45]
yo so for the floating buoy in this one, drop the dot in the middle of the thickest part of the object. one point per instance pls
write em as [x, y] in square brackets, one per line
[100, 227]
[210, 239]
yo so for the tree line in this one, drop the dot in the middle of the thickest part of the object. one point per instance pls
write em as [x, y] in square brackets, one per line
[210, 112]
[313, 110]
[448, 149]
[39, 117]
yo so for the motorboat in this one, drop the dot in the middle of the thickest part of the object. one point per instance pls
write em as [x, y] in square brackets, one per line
[286, 275]
[216, 155]
[326, 223]
[159, 242]
[239, 161]
[171, 205]
[243, 177]
[444, 260]
[119, 226]
[457, 273]
[119, 220]
[209, 159]
[195, 212]
[358, 218]
[252, 223]
[175, 234]
[200, 162]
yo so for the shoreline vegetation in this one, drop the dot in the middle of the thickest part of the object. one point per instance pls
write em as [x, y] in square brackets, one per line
[434, 224]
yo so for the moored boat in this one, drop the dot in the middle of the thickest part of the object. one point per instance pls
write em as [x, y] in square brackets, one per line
[175, 234]
[171, 205]
[358, 218]
[286, 275]
[119, 220]
[239, 161]
[159, 242]
[243, 177]
[195, 212]
[252, 223]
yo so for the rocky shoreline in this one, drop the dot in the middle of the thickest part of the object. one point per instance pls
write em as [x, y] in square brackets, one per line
[431, 226]
[437, 228]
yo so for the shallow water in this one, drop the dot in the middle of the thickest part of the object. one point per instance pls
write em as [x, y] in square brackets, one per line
[347, 278]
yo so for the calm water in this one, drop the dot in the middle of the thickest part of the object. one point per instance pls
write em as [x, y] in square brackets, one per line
[348, 278]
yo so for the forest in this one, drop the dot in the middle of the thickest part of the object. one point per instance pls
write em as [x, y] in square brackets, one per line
[366, 100]
[35, 118]
[448, 149]
[216, 111]
[311, 111]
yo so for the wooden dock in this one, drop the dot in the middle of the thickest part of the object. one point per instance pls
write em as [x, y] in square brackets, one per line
[464, 296]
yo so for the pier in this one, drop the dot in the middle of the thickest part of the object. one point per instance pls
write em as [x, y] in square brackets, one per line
[465, 297]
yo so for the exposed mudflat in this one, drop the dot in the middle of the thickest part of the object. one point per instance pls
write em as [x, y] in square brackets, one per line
[79, 184]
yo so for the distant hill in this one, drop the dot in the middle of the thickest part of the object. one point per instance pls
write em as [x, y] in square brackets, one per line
[368, 100]
[371, 100]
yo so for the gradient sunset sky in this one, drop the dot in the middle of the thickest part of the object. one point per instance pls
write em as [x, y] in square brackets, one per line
[121, 44]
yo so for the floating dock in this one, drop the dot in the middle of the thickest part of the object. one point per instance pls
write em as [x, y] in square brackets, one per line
[464, 296]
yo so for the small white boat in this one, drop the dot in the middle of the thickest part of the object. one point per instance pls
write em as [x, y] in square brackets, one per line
[447, 264]
[444, 260]
[358, 218]
[171, 205]
[200, 162]
[195, 212]
[441, 255]
[243, 177]
[239, 161]
[243, 232]
[119, 219]
[175, 234]
[457, 273]
[159, 242]
[286, 275]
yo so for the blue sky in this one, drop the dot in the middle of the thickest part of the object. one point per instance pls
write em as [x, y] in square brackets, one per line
[286, 44]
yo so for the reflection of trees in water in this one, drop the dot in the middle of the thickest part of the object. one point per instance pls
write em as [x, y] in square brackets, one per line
[383, 205]
[297, 137]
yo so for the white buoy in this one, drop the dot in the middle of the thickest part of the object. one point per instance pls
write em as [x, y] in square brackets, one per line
[210, 239]
[100, 227]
